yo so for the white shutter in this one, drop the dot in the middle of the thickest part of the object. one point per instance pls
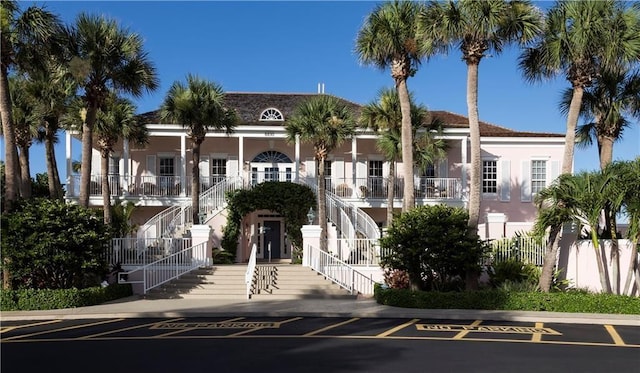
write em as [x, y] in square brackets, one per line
[310, 167]
[555, 171]
[443, 168]
[338, 171]
[525, 183]
[361, 169]
[151, 165]
[505, 180]
[232, 166]
[204, 167]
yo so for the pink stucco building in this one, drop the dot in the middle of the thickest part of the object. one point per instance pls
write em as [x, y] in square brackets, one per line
[515, 165]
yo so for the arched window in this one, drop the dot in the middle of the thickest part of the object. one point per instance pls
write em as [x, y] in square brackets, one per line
[271, 156]
[271, 114]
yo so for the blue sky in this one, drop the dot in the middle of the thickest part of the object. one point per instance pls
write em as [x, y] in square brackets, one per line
[292, 46]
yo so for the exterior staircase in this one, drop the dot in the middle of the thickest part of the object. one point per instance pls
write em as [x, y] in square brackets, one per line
[272, 282]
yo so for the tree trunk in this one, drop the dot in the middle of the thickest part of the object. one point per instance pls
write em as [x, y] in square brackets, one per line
[474, 136]
[601, 272]
[546, 277]
[570, 135]
[11, 153]
[408, 200]
[391, 191]
[606, 151]
[25, 172]
[104, 182]
[615, 252]
[55, 189]
[87, 148]
[322, 203]
[195, 181]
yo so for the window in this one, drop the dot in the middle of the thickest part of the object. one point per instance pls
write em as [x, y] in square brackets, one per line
[538, 175]
[375, 178]
[489, 177]
[114, 165]
[218, 169]
[271, 156]
[271, 114]
[167, 166]
[327, 174]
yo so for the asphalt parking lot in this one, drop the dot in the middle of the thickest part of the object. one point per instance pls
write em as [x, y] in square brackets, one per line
[320, 327]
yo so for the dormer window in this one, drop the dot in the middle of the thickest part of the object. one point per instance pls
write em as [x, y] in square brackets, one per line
[271, 114]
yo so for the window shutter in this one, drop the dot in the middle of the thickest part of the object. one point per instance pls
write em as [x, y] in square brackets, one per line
[443, 168]
[505, 183]
[310, 167]
[204, 167]
[151, 165]
[361, 169]
[232, 166]
[338, 171]
[525, 184]
[555, 171]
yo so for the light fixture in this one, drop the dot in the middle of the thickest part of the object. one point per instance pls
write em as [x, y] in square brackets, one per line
[311, 215]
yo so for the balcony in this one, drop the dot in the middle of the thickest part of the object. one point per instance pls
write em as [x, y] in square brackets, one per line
[375, 188]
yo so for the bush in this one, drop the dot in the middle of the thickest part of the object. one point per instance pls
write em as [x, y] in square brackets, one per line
[46, 299]
[432, 245]
[48, 244]
[513, 271]
[396, 278]
[509, 300]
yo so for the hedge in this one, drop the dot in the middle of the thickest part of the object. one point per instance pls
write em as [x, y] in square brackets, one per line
[572, 301]
[47, 299]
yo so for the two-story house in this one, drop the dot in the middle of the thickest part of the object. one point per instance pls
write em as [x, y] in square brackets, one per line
[515, 165]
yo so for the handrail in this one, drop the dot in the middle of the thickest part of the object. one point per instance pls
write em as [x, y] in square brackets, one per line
[140, 251]
[162, 224]
[168, 268]
[251, 269]
[340, 272]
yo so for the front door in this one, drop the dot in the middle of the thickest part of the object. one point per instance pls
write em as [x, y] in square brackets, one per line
[272, 235]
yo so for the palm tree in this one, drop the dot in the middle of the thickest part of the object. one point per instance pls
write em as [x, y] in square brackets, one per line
[385, 116]
[580, 40]
[53, 89]
[118, 120]
[26, 128]
[324, 121]
[199, 107]
[388, 40]
[105, 58]
[628, 183]
[477, 28]
[23, 36]
[607, 106]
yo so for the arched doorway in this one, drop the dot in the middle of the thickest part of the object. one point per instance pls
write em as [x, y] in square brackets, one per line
[271, 165]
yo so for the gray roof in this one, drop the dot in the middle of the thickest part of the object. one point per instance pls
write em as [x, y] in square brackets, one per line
[250, 106]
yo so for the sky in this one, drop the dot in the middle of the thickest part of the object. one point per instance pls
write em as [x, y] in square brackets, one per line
[275, 46]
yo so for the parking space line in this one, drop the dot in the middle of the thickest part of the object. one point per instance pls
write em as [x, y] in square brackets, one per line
[189, 329]
[125, 329]
[397, 328]
[330, 327]
[9, 328]
[254, 329]
[614, 335]
[462, 333]
[537, 337]
[62, 329]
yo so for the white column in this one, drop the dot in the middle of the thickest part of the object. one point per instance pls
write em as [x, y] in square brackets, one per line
[297, 156]
[241, 155]
[183, 165]
[201, 233]
[125, 161]
[464, 165]
[70, 187]
[354, 166]
[310, 244]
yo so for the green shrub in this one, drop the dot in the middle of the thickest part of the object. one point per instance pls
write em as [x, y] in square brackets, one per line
[432, 245]
[496, 299]
[513, 271]
[46, 299]
[48, 244]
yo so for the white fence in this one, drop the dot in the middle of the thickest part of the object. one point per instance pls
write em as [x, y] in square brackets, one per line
[166, 269]
[339, 272]
[251, 269]
[525, 249]
[359, 252]
[141, 251]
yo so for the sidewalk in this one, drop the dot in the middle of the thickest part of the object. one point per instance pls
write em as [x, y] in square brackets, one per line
[135, 307]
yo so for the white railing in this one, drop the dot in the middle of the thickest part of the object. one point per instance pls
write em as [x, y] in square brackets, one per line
[340, 272]
[251, 269]
[164, 223]
[361, 221]
[525, 249]
[141, 251]
[166, 269]
[359, 251]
